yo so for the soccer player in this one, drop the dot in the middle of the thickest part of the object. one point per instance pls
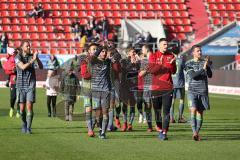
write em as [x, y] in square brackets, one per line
[101, 87]
[179, 89]
[130, 67]
[198, 71]
[144, 84]
[161, 67]
[26, 83]
[86, 74]
[115, 85]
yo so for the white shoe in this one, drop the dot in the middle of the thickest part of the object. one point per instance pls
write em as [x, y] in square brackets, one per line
[140, 119]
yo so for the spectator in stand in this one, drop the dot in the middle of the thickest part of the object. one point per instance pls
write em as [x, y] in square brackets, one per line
[138, 41]
[37, 11]
[105, 28]
[91, 22]
[88, 31]
[115, 38]
[75, 26]
[3, 42]
[95, 37]
[148, 38]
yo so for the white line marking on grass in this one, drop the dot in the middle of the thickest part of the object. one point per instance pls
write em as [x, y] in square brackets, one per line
[225, 97]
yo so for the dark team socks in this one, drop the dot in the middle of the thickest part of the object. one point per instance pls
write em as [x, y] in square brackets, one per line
[124, 110]
[181, 109]
[139, 107]
[110, 121]
[104, 124]
[89, 120]
[94, 121]
[29, 119]
[172, 110]
[23, 116]
[193, 122]
[132, 115]
[149, 117]
[158, 118]
[199, 120]
[118, 111]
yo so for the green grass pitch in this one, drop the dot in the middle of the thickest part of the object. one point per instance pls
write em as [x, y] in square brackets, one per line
[54, 138]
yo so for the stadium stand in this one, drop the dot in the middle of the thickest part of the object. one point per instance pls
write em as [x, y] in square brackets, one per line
[173, 13]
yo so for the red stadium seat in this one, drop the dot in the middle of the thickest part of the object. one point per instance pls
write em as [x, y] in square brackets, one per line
[186, 21]
[221, 6]
[49, 28]
[29, 6]
[184, 14]
[55, 6]
[16, 36]
[117, 21]
[157, 7]
[188, 28]
[149, 6]
[169, 21]
[35, 44]
[44, 44]
[115, 6]
[180, 29]
[165, 6]
[52, 36]
[176, 14]
[216, 21]
[41, 28]
[6, 28]
[23, 20]
[151, 14]
[181, 36]
[133, 14]
[89, 6]
[65, 14]
[64, 6]
[178, 21]
[47, 6]
[6, 21]
[73, 14]
[12, 6]
[25, 36]
[15, 28]
[35, 36]
[13, 14]
[48, 21]
[21, 6]
[5, 13]
[32, 28]
[30, 21]
[167, 13]
[24, 28]
[107, 6]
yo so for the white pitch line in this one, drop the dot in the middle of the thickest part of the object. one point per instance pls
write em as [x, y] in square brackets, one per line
[225, 97]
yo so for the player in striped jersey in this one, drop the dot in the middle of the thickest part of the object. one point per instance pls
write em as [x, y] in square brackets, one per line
[198, 71]
[179, 89]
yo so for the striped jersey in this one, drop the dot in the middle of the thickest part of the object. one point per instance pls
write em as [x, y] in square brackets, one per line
[178, 77]
[198, 77]
[100, 69]
[25, 78]
[144, 83]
